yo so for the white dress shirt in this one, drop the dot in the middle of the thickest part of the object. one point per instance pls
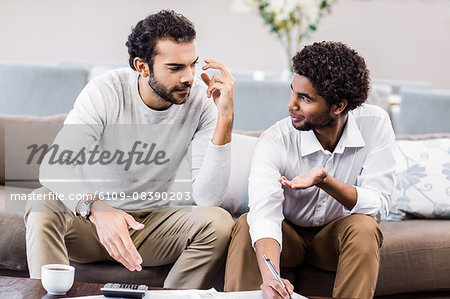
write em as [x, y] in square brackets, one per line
[362, 158]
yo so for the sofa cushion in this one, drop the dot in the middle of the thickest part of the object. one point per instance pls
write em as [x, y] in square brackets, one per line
[12, 236]
[236, 200]
[18, 132]
[12, 242]
[422, 187]
[414, 258]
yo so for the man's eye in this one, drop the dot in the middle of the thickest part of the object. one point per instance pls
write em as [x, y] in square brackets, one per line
[174, 69]
[305, 99]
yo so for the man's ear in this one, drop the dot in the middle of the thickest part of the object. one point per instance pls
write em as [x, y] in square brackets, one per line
[141, 66]
[340, 107]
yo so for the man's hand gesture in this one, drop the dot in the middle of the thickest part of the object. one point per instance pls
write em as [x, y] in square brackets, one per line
[221, 87]
[112, 229]
[305, 180]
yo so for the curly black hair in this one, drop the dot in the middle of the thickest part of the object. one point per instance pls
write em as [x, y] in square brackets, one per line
[336, 71]
[166, 24]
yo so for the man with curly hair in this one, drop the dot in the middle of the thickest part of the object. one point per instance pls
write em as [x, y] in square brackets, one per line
[159, 105]
[320, 182]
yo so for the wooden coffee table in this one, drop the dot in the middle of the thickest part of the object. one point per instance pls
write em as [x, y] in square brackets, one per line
[15, 287]
[18, 287]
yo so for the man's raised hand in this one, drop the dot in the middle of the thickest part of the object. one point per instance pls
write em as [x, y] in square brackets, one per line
[220, 86]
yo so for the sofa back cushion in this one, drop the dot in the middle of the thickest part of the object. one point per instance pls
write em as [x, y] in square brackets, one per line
[423, 111]
[260, 104]
[32, 89]
[16, 134]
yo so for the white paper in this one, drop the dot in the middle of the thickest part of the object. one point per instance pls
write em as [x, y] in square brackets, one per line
[191, 294]
[197, 294]
[251, 295]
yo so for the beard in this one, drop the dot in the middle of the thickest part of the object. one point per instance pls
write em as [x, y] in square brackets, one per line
[314, 123]
[169, 94]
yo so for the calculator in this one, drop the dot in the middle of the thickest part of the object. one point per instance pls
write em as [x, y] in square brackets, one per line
[123, 290]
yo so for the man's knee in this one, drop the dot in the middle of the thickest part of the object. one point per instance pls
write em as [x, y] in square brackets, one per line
[222, 222]
[363, 231]
[218, 222]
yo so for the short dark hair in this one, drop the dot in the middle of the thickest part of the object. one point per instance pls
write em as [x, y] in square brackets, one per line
[166, 24]
[336, 71]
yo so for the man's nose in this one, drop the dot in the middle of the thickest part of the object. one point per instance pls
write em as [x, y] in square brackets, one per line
[293, 103]
[188, 76]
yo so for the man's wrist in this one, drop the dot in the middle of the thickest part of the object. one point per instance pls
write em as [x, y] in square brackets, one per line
[324, 179]
[95, 209]
[224, 127]
[225, 118]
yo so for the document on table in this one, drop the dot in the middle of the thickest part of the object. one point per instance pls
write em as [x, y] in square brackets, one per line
[198, 294]
[208, 294]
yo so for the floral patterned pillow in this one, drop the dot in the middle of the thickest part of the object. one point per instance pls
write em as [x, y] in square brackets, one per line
[422, 186]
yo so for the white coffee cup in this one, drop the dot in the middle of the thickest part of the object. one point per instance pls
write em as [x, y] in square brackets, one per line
[57, 279]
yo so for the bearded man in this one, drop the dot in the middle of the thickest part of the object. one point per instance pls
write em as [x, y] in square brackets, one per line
[132, 222]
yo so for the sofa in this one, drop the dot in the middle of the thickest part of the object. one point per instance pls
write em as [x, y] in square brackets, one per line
[415, 257]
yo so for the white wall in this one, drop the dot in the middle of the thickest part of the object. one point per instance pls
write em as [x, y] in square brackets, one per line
[400, 39]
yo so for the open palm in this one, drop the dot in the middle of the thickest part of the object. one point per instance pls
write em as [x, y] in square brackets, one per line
[305, 180]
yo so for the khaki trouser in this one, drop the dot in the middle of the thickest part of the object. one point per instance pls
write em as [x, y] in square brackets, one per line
[194, 238]
[349, 245]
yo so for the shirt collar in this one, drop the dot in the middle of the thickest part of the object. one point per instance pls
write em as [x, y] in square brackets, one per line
[351, 137]
[309, 143]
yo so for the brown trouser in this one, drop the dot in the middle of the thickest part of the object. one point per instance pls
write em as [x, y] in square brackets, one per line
[194, 238]
[349, 245]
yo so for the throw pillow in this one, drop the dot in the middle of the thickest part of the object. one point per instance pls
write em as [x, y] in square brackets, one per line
[422, 186]
[236, 200]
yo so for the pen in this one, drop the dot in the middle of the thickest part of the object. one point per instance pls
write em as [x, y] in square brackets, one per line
[274, 272]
